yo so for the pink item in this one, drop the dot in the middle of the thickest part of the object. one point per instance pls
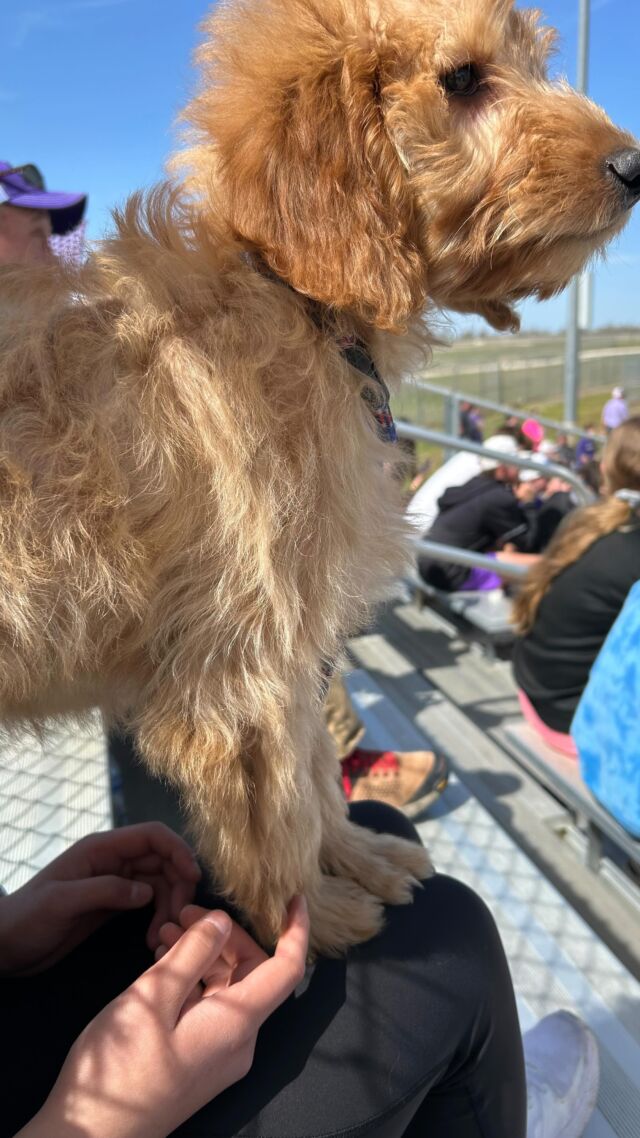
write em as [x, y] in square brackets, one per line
[564, 744]
[533, 431]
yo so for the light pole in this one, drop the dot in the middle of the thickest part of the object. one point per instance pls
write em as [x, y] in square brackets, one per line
[572, 343]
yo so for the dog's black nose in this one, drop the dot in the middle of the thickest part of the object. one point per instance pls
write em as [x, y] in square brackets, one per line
[624, 167]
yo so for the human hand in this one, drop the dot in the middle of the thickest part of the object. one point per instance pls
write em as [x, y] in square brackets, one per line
[99, 875]
[240, 956]
[556, 485]
[179, 1035]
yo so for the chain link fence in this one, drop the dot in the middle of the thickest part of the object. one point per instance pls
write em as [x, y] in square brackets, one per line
[525, 383]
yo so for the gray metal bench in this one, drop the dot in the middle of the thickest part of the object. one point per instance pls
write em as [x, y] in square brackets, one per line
[561, 776]
[487, 612]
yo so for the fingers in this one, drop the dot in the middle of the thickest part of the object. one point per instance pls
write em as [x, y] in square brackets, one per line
[107, 851]
[106, 892]
[170, 982]
[269, 985]
[162, 910]
[240, 954]
[181, 895]
[168, 935]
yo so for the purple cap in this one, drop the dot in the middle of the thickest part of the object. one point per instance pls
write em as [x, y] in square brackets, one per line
[65, 210]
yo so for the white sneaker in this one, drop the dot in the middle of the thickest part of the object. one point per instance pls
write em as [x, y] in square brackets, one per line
[563, 1072]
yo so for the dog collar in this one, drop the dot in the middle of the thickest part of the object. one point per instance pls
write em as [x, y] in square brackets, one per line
[354, 350]
[375, 393]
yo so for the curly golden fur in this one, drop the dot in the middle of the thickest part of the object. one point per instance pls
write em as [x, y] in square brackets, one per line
[195, 506]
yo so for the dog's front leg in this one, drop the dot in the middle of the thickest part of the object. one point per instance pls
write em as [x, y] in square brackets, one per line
[250, 800]
[270, 821]
[362, 870]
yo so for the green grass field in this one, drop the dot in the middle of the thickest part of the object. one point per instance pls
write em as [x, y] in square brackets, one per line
[527, 373]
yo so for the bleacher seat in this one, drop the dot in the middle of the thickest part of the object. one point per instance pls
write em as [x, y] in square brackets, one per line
[561, 775]
[486, 611]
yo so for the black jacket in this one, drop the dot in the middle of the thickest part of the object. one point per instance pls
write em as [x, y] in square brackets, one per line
[552, 662]
[545, 518]
[482, 516]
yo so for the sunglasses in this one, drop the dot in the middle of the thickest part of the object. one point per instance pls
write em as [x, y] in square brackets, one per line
[29, 173]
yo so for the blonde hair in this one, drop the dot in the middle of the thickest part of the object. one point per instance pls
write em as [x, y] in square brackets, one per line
[621, 470]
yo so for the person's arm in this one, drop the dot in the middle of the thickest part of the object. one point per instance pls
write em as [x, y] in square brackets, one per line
[553, 511]
[178, 1036]
[505, 522]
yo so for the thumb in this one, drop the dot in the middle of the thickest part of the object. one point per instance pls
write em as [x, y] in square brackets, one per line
[106, 892]
[170, 981]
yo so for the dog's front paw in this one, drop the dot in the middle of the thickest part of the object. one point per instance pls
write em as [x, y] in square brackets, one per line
[363, 872]
[387, 866]
[341, 914]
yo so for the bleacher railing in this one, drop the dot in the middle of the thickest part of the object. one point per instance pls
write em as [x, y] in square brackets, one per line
[450, 554]
[453, 399]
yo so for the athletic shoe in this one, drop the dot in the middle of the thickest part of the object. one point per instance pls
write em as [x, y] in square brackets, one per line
[410, 780]
[563, 1071]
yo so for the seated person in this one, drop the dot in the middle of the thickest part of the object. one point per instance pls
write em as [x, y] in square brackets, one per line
[148, 1009]
[608, 744]
[422, 509]
[571, 598]
[470, 422]
[486, 514]
[554, 500]
[562, 451]
[591, 475]
[586, 447]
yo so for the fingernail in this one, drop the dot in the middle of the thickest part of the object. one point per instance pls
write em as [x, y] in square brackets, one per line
[220, 920]
[141, 892]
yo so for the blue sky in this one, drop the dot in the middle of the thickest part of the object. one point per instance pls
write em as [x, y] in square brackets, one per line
[89, 90]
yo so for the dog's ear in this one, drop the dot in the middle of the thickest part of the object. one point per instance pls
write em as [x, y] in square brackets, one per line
[500, 316]
[497, 314]
[295, 126]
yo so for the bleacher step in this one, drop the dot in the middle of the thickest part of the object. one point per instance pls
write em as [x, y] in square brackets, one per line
[535, 819]
[562, 775]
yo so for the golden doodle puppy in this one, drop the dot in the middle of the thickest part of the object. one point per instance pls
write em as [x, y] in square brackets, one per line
[196, 506]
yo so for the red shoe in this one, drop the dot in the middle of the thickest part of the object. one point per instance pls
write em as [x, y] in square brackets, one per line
[410, 780]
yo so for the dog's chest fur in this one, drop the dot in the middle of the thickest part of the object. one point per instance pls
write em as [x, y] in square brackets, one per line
[213, 490]
[315, 509]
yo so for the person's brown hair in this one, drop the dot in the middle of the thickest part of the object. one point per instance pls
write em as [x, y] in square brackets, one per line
[621, 470]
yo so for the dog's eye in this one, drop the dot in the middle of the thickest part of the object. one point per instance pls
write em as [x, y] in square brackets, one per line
[462, 81]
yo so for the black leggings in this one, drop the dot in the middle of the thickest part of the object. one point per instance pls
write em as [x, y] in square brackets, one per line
[415, 1033]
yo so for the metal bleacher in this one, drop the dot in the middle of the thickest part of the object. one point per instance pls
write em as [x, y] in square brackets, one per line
[488, 613]
[562, 777]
